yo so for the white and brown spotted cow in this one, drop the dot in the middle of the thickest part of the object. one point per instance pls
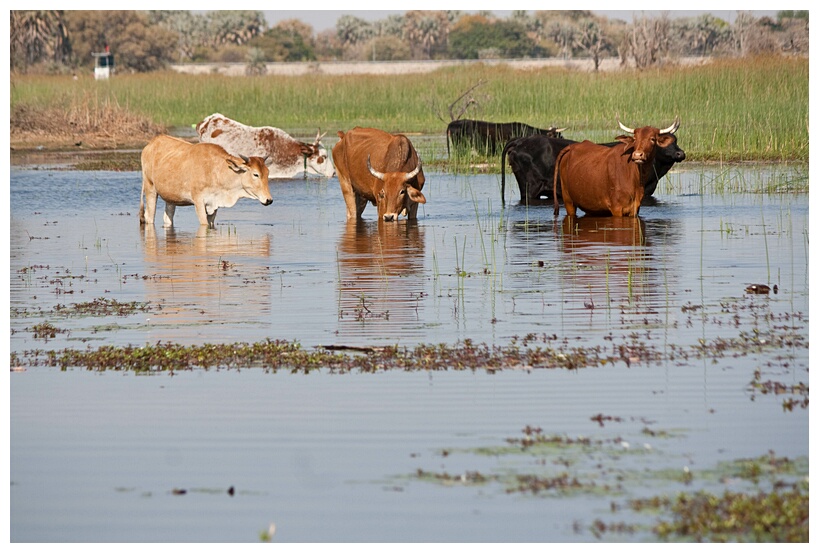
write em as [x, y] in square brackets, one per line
[286, 156]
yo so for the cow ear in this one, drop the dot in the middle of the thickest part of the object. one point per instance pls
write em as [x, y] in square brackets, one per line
[665, 140]
[415, 195]
[628, 140]
[234, 166]
[306, 149]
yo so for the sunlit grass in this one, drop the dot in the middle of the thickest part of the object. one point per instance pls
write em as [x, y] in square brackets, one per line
[731, 110]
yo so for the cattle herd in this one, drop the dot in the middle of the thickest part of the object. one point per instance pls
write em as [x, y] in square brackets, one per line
[233, 161]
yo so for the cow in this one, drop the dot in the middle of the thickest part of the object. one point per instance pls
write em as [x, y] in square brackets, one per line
[381, 168]
[532, 160]
[202, 175]
[485, 136]
[286, 156]
[601, 179]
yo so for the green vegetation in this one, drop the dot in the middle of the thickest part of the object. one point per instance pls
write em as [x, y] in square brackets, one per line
[277, 355]
[734, 110]
[780, 516]
[773, 506]
[62, 40]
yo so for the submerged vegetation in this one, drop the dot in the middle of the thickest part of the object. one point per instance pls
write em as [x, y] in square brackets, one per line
[533, 352]
[778, 516]
[772, 506]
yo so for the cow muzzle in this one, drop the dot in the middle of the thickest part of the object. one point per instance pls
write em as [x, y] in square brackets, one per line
[267, 201]
[390, 217]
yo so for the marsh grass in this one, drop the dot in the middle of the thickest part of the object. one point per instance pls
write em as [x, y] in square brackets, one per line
[731, 110]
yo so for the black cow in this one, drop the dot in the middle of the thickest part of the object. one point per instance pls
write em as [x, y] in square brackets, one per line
[485, 136]
[532, 159]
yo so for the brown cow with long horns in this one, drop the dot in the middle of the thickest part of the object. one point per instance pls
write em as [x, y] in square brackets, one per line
[381, 168]
[600, 179]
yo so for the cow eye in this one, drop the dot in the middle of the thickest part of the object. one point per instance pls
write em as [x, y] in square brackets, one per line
[320, 159]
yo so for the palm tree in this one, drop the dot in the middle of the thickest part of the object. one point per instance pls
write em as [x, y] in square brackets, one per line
[426, 29]
[191, 29]
[353, 30]
[38, 35]
[235, 27]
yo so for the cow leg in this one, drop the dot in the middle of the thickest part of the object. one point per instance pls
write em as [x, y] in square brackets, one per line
[570, 209]
[412, 211]
[638, 201]
[201, 213]
[360, 204]
[349, 196]
[568, 203]
[170, 209]
[212, 219]
[147, 211]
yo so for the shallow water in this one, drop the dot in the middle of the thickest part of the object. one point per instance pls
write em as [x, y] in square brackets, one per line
[335, 457]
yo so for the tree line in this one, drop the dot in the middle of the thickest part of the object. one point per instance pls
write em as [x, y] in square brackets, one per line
[61, 41]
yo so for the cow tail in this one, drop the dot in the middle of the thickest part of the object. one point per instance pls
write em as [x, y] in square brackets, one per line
[556, 180]
[142, 205]
[448, 155]
[503, 173]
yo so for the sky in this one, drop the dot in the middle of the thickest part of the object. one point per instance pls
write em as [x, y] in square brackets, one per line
[326, 19]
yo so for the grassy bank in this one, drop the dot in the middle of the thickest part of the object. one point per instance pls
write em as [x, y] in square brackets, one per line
[732, 110]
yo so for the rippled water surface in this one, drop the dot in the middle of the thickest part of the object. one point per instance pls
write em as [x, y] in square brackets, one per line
[368, 457]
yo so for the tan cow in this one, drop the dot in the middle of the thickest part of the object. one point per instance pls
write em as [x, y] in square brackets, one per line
[381, 168]
[601, 180]
[202, 175]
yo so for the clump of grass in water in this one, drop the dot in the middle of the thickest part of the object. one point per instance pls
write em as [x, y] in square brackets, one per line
[45, 331]
[779, 516]
[102, 307]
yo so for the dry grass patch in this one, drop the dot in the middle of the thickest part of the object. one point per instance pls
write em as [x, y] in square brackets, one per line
[85, 123]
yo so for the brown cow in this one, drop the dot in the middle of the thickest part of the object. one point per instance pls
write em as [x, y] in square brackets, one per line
[600, 179]
[381, 168]
[202, 175]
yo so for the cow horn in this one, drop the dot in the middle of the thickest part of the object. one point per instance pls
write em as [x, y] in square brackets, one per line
[319, 136]
[373, 172]
[622, 126]
[244, 159]
[559, 130]
[673, 128]
[408, 176]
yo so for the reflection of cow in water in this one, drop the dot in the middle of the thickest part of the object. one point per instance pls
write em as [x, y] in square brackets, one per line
[606, 259]
[204, 276]
[381, 285]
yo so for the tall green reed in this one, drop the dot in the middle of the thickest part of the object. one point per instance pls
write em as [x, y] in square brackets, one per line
[745, 109]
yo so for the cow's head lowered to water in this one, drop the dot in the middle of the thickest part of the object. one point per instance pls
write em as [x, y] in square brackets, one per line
[394, 194]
